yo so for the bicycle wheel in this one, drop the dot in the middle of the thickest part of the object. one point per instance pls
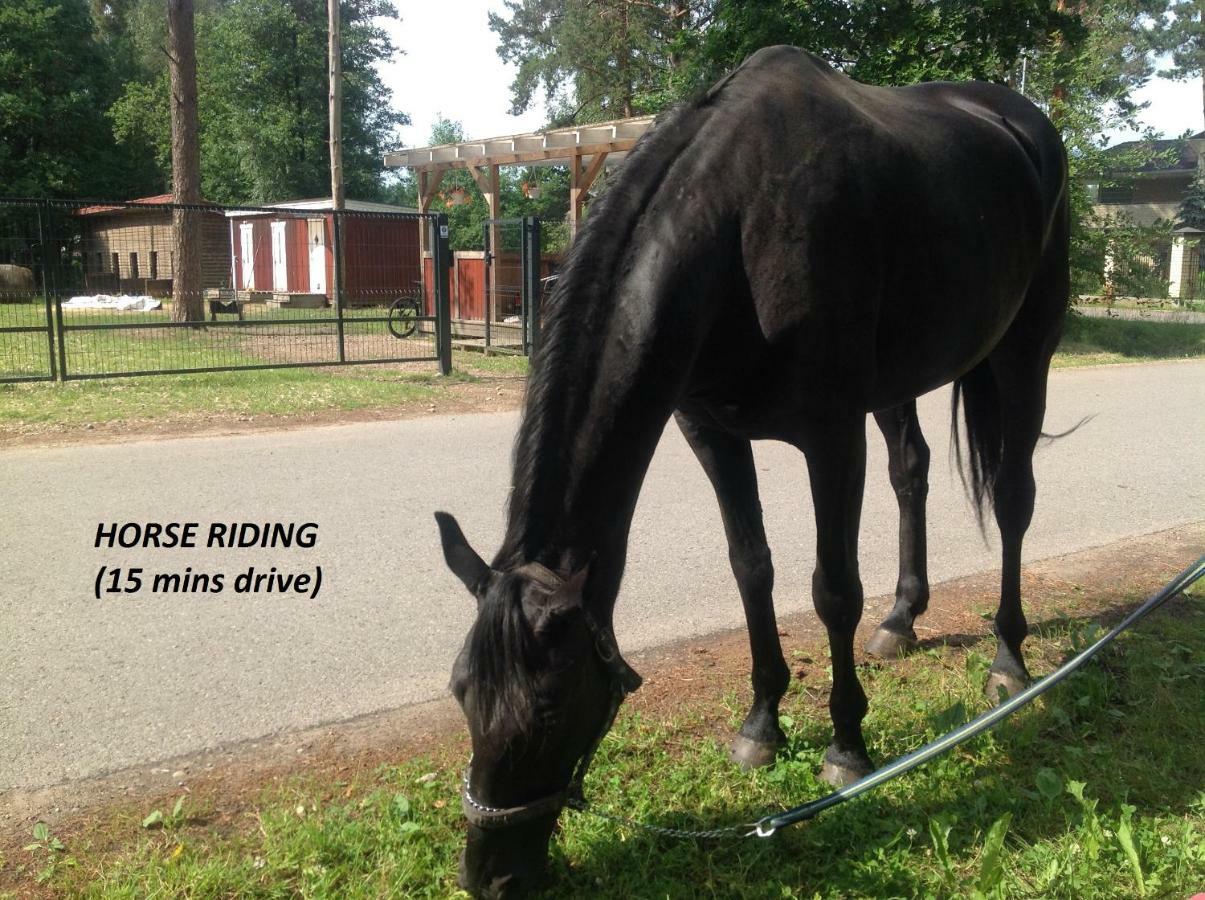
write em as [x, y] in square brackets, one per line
[403, 317]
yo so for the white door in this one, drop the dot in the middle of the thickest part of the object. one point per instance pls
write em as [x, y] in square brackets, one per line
[246, 233]
[316, 239]
[280, 271]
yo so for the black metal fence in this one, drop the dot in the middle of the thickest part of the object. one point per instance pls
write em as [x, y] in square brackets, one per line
[512, 284]
[91, 290]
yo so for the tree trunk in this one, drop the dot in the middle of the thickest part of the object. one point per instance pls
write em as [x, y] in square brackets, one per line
[187, 303]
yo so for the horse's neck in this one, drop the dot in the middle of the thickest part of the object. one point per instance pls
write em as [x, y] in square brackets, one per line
[589, 435]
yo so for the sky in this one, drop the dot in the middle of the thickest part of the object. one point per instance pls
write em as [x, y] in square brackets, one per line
[449, 65]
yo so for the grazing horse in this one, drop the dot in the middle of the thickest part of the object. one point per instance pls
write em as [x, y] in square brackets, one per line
[782, 257]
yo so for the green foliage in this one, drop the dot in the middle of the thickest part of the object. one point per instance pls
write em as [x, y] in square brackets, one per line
[84, 98]
[54, 88]
[262, 83]
[1182, 34]
[878, 43]
[596, 59]
[1191, 212]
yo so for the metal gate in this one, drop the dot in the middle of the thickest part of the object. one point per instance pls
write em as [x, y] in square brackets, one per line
[26, 311]
[512, 285]
[86, 289]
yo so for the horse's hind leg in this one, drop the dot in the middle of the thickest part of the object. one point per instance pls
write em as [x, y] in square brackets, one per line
[836, 455]
[728, 462]
[1019, 367]
[908, 466]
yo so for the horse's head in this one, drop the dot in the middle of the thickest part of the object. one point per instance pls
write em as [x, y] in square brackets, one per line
[539, 680]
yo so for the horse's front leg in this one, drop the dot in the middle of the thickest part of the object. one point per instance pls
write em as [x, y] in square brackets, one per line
[728, 462]
[836, 455]
[908, 467]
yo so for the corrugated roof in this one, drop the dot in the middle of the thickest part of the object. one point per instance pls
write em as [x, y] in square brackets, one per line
[157, 200]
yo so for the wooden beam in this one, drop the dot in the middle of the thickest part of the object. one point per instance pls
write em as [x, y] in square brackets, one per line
[482, 177]
[401, 160]
[596, 165]
[428, 186]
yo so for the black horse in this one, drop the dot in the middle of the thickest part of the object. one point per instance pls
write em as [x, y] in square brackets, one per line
[791, 252]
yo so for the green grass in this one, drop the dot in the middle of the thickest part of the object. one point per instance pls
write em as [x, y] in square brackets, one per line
[215, 395]
[1090, 341]
[1098, 789]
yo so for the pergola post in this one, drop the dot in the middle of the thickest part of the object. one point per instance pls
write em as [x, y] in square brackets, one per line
[489, 183]
[584, 148]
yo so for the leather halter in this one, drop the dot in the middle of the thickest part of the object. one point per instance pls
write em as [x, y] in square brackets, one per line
[624, 680]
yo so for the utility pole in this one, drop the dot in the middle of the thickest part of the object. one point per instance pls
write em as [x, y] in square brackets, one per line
[334, 55]
[335, 100]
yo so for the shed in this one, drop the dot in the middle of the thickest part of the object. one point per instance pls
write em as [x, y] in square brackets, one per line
[128, 248]
[287, 249]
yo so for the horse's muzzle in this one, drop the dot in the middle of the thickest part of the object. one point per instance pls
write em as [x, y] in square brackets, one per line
[505, 862]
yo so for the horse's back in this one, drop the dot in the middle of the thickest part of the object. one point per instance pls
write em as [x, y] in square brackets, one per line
[888, 234]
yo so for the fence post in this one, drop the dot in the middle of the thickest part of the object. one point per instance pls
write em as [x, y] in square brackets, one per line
[51, 318]
[337, 277]
[531, 284]
[440, 259]
[487, 280]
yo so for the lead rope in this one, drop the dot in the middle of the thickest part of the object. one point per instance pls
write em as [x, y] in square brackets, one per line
[769, 825]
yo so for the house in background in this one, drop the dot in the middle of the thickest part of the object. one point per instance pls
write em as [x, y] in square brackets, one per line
[285, 250]
[1151, 193]
[128, 249]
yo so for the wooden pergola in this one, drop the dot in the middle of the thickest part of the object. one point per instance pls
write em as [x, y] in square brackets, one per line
[585, 149]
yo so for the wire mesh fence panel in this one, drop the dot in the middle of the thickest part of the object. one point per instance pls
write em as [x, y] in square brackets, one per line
[26, 351]
[385, 313]
[504, 286]
[254, 288]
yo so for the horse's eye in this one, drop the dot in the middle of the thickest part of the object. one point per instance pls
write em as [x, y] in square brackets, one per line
[459, 686]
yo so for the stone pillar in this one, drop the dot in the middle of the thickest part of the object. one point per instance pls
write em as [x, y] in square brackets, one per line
[1184, 264]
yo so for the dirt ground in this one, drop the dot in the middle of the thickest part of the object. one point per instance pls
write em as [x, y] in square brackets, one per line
[699, 672]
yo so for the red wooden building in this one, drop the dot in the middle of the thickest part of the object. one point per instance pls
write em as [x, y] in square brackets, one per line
[288, 249]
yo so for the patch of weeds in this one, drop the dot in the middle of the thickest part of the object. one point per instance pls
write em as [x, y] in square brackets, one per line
[49, 854]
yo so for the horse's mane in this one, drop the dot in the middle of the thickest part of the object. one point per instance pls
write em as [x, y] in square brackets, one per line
[502, 650]
[576, 319]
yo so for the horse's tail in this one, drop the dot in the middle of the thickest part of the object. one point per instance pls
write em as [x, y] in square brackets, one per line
[984, 435]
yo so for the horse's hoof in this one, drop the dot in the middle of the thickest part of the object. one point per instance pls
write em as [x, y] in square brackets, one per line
[1006, 681]
[843, 769]
[888, 644]
[750, 754]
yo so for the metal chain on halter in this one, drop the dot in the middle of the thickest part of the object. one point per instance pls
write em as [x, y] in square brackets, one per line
[730, 831]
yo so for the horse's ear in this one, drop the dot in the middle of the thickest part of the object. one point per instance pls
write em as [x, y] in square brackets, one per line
[460, 557]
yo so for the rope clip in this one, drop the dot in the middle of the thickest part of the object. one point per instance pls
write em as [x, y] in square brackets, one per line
[762, 828]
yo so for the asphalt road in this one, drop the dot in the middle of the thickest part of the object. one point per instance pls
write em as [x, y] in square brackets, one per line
[90, 686]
